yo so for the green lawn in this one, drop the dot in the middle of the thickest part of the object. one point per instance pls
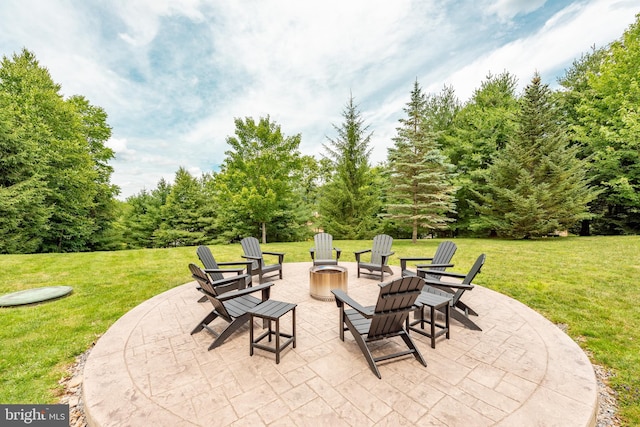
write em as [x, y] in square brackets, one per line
[591, 284]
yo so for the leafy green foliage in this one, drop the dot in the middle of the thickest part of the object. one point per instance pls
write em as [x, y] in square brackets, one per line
[56, 151]
[478, 131]
[536, 184]
[602, 104]
[182, 224]
[254, 190]
[350, 199]
[420, 193]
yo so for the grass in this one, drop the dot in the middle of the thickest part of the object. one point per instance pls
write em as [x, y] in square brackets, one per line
[589, 283]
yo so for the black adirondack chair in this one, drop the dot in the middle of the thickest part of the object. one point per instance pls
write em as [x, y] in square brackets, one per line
[439, 262]
[230, 299]
[386, 319]
[459, 310]
[213, 268]
[252, 251]
[322, 252]
[380, 253]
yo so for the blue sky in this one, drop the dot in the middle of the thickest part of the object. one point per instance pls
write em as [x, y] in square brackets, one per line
[173, 74]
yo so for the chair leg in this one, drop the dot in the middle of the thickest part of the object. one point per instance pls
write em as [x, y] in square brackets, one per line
[366, 352]
[342, 322]
[460, 317]
[230, 329]
[204, 322]
[464, 307]
[412, 346]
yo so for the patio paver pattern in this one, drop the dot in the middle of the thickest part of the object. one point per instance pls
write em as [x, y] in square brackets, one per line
[521, 370]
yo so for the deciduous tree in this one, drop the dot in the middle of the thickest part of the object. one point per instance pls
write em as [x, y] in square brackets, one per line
[255, 186]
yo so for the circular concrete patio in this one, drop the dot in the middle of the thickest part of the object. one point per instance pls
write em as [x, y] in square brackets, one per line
[520, 370]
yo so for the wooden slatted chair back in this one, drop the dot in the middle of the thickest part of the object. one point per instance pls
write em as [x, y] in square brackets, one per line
[443, 255]
[473, 272]
[209, 262]
[381, 245]
[323, 246]
[212, 292]
[251, 247]
[395, 303]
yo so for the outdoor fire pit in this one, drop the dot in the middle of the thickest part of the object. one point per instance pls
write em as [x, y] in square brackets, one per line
[323, 278]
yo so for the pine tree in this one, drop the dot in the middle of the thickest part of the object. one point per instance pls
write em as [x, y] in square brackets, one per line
[420, 194]
[350, 199]
[480, 129]
[537, 184]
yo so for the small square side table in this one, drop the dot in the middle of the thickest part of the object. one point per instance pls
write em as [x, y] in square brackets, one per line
[272, 311]
[434, 302]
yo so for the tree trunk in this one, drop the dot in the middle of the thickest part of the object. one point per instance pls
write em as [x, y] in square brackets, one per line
[264, 233]
[414, 234]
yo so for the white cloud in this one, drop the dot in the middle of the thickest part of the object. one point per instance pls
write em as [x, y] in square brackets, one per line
[563, 38]
[173, 74]
[507, 9]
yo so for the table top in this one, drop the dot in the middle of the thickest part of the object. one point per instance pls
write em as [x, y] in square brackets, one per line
[433, 300]
[272, 309]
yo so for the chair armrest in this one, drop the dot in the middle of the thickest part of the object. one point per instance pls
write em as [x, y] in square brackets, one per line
[416, 259]
[338, 252]
[440, 283]
[403, 261]
[245, 263]
[240, 292]
[343, 298]
[280, 255]
[444, 273]
[358, 253]
[223, 270]
[254, 258]
[385, 257]
[362, 251]
[427, 266]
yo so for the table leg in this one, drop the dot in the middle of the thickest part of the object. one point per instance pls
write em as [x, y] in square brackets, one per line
[277, 341]
[433, 327]
[293, 326]
[251, 336]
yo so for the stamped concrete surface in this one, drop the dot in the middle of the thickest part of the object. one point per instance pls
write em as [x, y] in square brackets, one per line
[520, 370]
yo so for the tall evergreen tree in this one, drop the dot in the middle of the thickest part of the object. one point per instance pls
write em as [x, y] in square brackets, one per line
[182, 224]
[420, 194]
[143, 216]
[350, 199]
[478, 131]
[537, 185]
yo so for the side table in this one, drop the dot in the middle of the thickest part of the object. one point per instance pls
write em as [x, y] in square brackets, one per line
[434, 302]
[272, 311]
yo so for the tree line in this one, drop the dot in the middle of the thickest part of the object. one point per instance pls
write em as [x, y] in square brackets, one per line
[506, 164]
